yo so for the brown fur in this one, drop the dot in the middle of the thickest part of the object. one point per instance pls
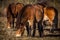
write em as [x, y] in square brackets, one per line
[52, 14]
[28, 14]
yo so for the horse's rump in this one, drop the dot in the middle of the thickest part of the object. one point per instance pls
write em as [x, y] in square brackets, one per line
[50, 15]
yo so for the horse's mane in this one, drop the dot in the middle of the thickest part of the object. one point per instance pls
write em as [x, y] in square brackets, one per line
[9, 9]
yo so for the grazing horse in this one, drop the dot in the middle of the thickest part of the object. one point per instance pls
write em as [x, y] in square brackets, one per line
[50, 17]
[12, 13]
[29, 15]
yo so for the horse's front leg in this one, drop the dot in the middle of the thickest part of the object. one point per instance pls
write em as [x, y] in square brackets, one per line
[8, 23]
[27, 28]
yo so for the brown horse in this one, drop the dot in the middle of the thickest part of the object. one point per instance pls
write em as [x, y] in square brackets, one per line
[12, 12]
[50, 16]
[30, 14]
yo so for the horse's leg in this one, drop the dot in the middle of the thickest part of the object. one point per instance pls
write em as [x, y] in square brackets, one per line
[22, 32]
[40, 29]
[56, 22]
[27, 28]
[34, 29]
[8, 23]
[54, 25]
[17, 33]
[13, 22]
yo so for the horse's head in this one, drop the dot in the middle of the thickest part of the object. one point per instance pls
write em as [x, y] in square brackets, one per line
[12, 8]
[19, 7]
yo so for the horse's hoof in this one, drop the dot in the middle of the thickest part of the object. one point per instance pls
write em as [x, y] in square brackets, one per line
[18, 35]
[8, 27]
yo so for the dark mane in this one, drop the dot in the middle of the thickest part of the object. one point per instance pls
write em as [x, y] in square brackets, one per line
[9, 9]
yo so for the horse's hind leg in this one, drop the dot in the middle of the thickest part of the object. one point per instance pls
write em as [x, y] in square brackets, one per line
[56, 23]
[30, 30]
[40, 29]
[13, 23]
[34, 29]
[27, 28]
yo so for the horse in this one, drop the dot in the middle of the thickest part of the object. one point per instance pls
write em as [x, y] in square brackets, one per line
[50, 17]
[29, 15]
[12, 13]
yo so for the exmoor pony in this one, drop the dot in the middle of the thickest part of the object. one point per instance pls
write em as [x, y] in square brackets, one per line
[12, 13]
[50, 16]
[28, 17]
